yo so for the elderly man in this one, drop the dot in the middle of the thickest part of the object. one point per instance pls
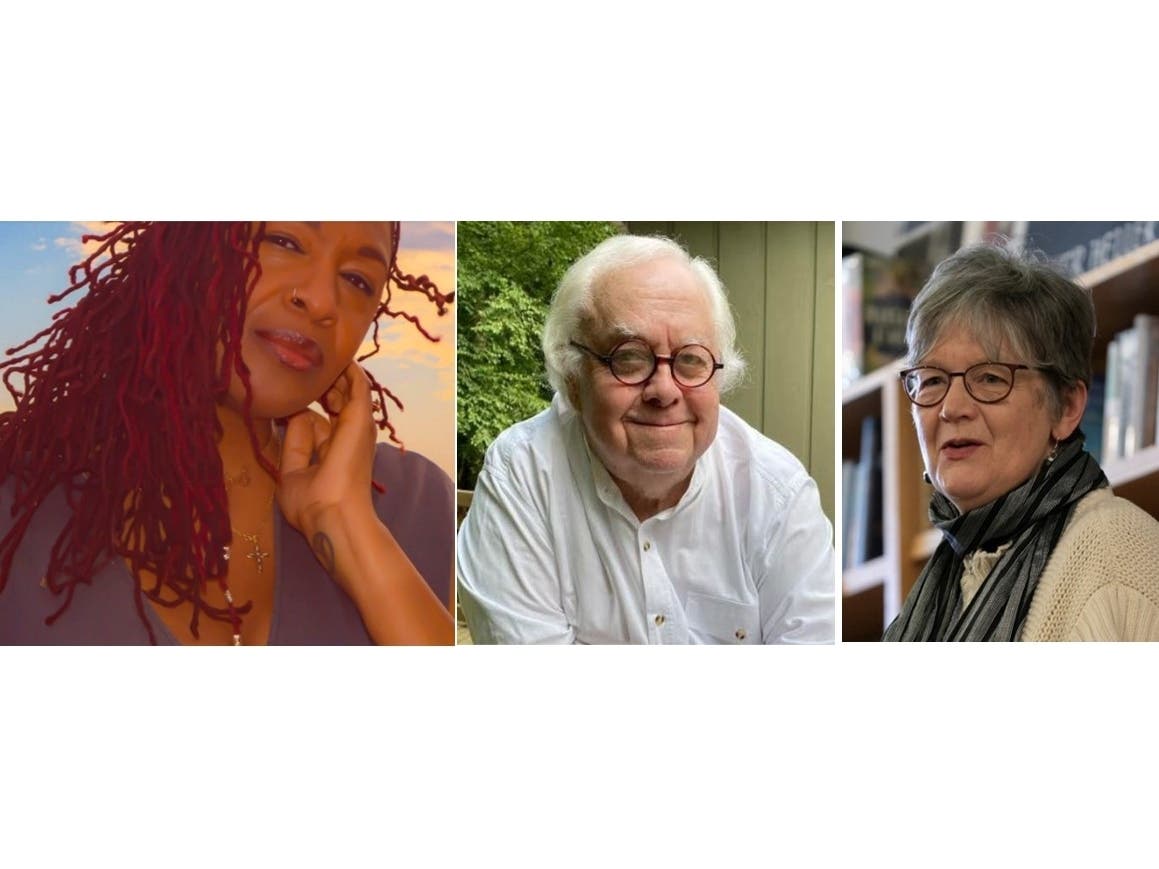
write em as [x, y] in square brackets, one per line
[636, 509]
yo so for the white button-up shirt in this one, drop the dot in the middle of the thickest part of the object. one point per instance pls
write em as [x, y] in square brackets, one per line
[550, 552]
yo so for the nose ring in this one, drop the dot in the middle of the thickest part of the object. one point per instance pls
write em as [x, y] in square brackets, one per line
[294, 300]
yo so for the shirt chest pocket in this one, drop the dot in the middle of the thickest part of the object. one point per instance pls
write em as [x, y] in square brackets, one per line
[720, 620]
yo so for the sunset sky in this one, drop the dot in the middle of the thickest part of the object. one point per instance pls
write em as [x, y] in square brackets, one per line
[34, 262]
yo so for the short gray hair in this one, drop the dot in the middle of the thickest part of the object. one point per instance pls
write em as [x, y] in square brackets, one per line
[1003, 296]
[572, 305]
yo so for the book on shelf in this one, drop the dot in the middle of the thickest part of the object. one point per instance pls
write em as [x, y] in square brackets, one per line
[1128, 342]
[848, 499]
[888, 289]
[866, 541]
[1112, 405]
[873, 312]
[1092, 421]
[877, 292]
[1130, 404]
[852, 337]
[1146, 386]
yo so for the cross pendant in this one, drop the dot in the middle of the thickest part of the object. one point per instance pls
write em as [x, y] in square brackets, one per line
[257, 555]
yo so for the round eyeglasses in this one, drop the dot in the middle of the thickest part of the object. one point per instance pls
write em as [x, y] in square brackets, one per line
[987, 382]
[632, 362]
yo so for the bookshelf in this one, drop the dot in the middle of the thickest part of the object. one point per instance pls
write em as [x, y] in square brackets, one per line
[1121, 289]
[872, 592]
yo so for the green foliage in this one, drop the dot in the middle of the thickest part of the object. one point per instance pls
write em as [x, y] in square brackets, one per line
[506, 275]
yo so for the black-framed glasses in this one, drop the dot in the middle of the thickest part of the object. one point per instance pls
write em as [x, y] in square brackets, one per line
[987, 382]
[632, 362]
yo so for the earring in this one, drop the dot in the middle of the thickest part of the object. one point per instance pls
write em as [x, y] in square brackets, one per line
[1053, 454]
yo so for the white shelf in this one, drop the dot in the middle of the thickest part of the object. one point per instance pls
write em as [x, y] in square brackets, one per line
[884, 377]
[863, 577]
[1120, 266]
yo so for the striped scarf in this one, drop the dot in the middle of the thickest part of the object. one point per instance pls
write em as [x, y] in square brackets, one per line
[1033, 517]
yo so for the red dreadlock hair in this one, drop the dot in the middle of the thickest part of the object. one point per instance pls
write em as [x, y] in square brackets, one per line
[117, 404]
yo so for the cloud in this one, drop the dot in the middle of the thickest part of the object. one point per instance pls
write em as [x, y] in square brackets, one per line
[40, 244]
[430, 235]
[72, 245]
[438, 265]
[399, 339]
[427, 425]
[415, 360]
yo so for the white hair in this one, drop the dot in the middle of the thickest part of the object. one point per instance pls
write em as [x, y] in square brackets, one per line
[572, 305]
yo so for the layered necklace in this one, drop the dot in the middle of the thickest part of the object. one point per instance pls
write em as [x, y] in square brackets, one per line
[257, 554]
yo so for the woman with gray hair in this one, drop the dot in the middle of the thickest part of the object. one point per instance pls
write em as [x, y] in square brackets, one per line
[1035, 546]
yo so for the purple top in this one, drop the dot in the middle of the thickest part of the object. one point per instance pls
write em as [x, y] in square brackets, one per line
[309, 607]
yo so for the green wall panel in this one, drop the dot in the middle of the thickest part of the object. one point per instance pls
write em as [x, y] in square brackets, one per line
[780, 282]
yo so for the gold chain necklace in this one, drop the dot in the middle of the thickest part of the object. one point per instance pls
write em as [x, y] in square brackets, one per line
[242, 479]
[257, 555]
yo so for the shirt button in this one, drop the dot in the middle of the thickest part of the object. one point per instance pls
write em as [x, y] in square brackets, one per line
[659, 620]
[647, 545]
[740, 633]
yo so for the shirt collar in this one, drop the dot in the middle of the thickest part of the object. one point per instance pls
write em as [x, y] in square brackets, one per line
[611, 496]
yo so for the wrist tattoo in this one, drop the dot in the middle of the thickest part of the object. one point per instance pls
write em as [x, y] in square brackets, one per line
[324, 549]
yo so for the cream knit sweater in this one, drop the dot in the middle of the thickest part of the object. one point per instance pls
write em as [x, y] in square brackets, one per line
[1102, 580]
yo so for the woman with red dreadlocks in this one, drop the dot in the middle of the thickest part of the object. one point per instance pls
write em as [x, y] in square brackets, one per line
[162, 478]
